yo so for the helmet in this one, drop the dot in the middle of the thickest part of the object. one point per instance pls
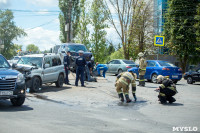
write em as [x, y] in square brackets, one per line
[160, 78]
[140, 54]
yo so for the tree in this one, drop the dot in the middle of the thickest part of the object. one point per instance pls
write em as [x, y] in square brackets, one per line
[197, 26]
[132, 16]
[98, 38]
[83, 32]
[70, 12]
[8, 32]
[179, 30]
[32, 48]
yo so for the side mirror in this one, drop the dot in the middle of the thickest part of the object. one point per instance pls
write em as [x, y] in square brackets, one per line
[14, 65]
[46, 66]
[62, 51]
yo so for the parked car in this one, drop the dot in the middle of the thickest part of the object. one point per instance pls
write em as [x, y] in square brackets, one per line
[14, 60]
[119, 65]
[159, 67]
[39, 69]
[192, 76]
[74, 48]
[12, 83]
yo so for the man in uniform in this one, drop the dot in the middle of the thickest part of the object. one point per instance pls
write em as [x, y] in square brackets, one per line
[66, 62]
[142, 69]
[80, 63]
[101, 67]
[123, 80]
[166, 90]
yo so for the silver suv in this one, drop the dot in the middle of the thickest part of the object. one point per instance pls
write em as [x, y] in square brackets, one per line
[41, 69]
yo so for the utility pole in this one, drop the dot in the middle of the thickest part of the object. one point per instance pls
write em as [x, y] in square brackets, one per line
[68, 22]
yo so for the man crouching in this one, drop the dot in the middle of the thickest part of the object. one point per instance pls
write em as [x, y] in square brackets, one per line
[166, 90]
[123, 80]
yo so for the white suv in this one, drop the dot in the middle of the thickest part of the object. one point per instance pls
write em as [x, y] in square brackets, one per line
[40, 69]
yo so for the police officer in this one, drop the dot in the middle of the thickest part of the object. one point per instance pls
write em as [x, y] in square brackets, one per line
[66, 61]
[123, 80]
[142, 69]
[166, 90]
[80, 63]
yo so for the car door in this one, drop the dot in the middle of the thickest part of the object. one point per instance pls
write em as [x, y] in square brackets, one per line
[196, 75]
[48, 72]
[115, 66]
[56, 67]
[149, 69]
[109, 65]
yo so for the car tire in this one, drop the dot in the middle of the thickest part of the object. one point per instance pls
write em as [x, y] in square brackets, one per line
[175, 82]
[153, 78]
[18, 101]
[36, 82]
[120, 71]
[60, 81]
[189, 80]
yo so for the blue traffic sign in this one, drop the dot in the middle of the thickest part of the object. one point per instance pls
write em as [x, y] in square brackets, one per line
[159, 40]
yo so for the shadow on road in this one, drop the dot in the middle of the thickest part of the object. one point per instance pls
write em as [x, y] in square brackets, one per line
[46, 88]
[175, 104]
[6, 106]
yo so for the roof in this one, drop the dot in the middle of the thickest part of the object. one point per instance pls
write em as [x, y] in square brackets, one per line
[40, 55]
[72, 44]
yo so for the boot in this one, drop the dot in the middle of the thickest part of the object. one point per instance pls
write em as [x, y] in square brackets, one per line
[171, 99]
[121, 97]
[128, 100]
[162, 99]
[135, 97]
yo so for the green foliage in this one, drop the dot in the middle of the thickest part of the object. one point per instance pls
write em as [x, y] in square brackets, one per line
[117, 55]
[32, 48]
[108, 53]
[179, 30]
[197, 26]
[8, 33]
[67, 6]
[83, 32]
[98, 20]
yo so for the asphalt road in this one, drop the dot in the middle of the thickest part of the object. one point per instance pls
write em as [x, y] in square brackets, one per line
[96, 108]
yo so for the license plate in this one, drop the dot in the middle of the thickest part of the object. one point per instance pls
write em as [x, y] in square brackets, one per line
[174, 76]
[7, 93]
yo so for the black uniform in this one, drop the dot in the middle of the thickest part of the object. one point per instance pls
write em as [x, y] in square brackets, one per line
[167, 91]
[66, 65]
[80, 62]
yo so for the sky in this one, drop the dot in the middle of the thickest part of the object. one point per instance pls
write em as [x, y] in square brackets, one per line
[42, 28]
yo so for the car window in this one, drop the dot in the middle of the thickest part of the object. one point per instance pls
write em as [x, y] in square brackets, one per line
[16, 58]
[56, 61]
[33, 61]
[76, 48]
[164, 63]
[48, 60]
[116, 62]
[151, 64]
[198, 70]
[128, 62]
[111, 62]
[3, 63]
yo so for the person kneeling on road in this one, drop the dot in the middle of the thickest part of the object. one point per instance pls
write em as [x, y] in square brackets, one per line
[102, 67]
[123, 80]
[166, 90]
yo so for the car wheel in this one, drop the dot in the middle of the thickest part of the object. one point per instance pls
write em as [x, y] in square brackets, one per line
[120, 71]
[189, 80]
[153, 78]
[35, 84]
[18, 101]
[60, 81]
[175, 82]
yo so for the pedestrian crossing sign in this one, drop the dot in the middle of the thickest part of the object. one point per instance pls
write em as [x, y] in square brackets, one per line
[159, 40]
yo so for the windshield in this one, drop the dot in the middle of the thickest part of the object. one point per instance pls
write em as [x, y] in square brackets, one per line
[128, 62]
[76, 48]
[3, 63]
[164, 63]
[33, 61]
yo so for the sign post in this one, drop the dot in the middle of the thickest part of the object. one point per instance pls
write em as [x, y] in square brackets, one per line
[159, 41]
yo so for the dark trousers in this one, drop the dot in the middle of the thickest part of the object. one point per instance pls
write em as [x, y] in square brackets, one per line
[80, 71]
[166, 94]
[141, 80]
[66, 79]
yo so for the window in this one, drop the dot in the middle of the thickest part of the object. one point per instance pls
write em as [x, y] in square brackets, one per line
[111, 62]
[48, 60]
[33, 61]
[117, 62]
[56, 61]
[128, 62]
[3, 63]
[151, 64]
[164, 63]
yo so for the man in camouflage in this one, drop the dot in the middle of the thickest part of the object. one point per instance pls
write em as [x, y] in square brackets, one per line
[123, 80]
[142, 69]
